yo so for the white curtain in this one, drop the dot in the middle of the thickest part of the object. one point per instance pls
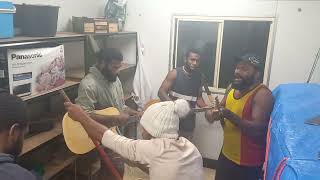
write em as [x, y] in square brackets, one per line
[142, 90]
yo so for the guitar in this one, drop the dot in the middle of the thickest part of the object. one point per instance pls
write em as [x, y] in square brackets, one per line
[76, 136]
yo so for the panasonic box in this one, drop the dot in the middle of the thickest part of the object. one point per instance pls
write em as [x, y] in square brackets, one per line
[32, 71]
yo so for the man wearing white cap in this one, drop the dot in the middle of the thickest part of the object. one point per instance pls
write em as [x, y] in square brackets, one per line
[167, 155]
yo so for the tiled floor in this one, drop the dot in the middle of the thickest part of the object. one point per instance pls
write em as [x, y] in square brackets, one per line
[209, 174]
[138, 175]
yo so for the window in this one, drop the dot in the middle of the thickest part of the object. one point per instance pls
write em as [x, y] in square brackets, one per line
[220, 41]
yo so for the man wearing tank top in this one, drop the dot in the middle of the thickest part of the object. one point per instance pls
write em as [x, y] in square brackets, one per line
[245, 112]
[185, 83]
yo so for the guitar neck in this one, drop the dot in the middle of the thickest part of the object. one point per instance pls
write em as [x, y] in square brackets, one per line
[197, 110]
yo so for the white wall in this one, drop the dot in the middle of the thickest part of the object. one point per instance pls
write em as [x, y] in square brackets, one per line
[69, 8]
[296, 41]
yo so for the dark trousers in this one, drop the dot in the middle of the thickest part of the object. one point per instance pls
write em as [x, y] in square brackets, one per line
[228, 170]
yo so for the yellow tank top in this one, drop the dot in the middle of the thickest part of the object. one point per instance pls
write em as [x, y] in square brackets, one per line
[237, 146]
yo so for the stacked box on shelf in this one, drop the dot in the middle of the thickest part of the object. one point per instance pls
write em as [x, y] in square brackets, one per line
[90, 25]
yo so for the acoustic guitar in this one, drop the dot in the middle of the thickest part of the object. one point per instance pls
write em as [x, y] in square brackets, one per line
[76, 137]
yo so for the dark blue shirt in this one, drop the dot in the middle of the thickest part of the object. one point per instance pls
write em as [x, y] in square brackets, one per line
[9, 170]
[187, 87]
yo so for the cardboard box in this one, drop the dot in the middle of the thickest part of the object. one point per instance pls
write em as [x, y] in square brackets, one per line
[93, 25]
[113, 27]
[101, 25]
[37, 70]
[83, 24]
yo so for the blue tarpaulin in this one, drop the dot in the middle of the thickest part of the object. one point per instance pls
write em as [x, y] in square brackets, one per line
[294, 147]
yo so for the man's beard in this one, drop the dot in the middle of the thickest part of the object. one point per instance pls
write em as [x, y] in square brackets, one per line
[109, 76]
[243, 85]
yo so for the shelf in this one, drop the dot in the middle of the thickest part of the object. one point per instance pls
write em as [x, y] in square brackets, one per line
[114, 34]
[57, 165]
[60, 37]
[89, 168]
[68, 83]
[95, 167]
[37, 140]
[23, 40]
[75, 73]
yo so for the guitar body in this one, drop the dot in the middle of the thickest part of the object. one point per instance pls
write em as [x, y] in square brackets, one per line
[76, 136]
[152, 101]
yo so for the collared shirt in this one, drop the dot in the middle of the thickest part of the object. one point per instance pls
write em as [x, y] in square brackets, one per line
[9, 170]
[96, 92]
[167, 159]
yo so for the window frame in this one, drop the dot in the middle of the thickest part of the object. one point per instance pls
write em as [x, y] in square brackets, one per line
[220, 20]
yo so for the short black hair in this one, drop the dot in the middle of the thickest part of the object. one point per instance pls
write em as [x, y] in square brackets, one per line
[109, 54]
[193, 50]
[12, 111]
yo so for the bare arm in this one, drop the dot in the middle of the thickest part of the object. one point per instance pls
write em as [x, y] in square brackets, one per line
[200, 101]
[261, 110]
[110, 121]
[167, 85]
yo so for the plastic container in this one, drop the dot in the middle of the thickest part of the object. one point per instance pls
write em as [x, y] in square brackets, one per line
[37, 20]
[7, 10]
